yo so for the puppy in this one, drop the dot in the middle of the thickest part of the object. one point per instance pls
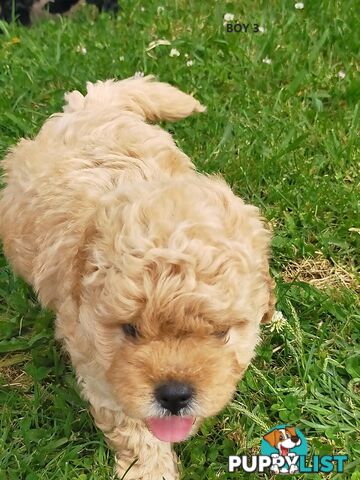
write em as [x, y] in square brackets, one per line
[25, 11]
[18, 10]
[158, 274]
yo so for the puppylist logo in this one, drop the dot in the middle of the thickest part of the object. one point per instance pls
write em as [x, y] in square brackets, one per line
[283, 450]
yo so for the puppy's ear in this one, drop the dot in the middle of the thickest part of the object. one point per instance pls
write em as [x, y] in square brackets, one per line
[291, 430]
[272, 299]
[80, 261]
[59, 267]
[271, 437]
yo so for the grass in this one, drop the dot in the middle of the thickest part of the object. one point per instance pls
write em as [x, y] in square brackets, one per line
[284, 134]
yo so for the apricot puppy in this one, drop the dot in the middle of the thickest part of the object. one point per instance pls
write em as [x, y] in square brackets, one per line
[158, 274]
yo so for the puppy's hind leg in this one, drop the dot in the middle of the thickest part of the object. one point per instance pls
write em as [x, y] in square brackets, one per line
[138, 454]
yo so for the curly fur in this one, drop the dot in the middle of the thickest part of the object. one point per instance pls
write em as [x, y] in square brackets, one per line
[111, 224]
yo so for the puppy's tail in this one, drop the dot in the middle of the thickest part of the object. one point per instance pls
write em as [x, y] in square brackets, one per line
[144, 96]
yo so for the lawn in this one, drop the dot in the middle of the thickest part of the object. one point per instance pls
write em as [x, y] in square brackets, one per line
[281, 126]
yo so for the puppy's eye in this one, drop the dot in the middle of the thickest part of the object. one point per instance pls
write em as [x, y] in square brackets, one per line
[130, 330]
[222, 334]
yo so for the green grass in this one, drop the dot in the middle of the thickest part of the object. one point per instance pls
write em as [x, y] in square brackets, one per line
[285, 137]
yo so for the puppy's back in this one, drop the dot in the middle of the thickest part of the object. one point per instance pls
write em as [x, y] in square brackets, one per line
[55, 182]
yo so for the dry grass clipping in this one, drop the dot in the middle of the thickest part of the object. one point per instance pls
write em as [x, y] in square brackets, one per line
[321, 273]
[12, 374]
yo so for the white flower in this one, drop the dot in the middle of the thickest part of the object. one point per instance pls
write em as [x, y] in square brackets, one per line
[138, 74]
[186, 55]
[262, 29]
[341, 74]
[121, 58]
[81, 49]
[299, 6]
[189, 63]
[267, 60]
[278, 322]
[142, 9]
[160, 10]
[174, 52]
[228, 17]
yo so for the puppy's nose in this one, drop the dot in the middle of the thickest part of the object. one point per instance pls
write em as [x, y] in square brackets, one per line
[174, 396]
[295, 438]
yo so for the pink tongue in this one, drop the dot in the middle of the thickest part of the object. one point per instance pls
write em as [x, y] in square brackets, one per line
[170, 429]
[284, 451]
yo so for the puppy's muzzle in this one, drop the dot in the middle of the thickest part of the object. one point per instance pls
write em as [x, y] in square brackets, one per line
[174, 396]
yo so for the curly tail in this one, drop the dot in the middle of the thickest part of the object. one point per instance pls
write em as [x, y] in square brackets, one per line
[143, 96]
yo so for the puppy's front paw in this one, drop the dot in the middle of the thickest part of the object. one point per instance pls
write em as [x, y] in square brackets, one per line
[275, 469]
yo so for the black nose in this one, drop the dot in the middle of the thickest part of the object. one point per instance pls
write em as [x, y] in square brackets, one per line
[174, 396]
[295, 438]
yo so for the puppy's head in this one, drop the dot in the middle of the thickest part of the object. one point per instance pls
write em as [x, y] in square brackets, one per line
[283, 439]
[177, 284]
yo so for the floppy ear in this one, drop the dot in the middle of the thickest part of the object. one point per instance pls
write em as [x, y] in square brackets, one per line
[58, 268]
[271, 438]
[272, 299]
[291, 430]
